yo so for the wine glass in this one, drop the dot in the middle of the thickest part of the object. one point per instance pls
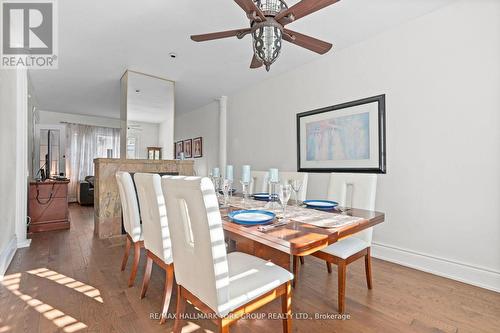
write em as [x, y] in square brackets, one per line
[296, 185]
[285, 192]
[216, 181]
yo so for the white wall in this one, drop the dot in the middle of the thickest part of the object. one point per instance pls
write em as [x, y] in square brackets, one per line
[14, 173]
[441, 77]
[202, 122]
[146, 135]
[51, 117]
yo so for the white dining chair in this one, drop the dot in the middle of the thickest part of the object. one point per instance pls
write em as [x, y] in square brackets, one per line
[259, 182]
[131, 222]
[223, 286]
[355, 191]
[156, 234]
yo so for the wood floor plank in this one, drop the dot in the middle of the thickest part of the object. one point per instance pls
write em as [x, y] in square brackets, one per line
[79, 288]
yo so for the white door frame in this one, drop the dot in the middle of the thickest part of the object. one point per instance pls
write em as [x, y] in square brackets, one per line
[22, 165]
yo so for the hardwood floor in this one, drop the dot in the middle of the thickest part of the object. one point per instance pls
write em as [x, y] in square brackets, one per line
[69, 281]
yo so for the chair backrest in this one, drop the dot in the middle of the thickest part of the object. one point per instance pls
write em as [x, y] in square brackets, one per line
[357, 191]
[287, 176]
[155, 230]
[130, 207]
[259, 182]
[197, 237]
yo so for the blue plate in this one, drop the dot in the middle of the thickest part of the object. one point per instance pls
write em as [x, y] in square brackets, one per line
[251, 216]
[321, 204]
[233, 190]
[263, 196]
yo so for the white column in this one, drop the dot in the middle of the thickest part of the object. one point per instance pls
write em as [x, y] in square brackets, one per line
[222, 133]
[22, 172]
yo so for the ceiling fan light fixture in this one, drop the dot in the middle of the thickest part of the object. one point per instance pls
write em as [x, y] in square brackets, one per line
[267, 44]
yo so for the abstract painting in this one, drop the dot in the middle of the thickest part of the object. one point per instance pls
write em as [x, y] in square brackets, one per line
[342, 138]
[349, 137]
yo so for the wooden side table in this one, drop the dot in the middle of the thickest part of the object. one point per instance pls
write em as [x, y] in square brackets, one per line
[48, 205]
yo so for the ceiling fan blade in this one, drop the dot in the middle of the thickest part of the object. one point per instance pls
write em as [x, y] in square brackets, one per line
[310, 43]
[303, 8]
[220, 34]
[256, 63]
[249, 6]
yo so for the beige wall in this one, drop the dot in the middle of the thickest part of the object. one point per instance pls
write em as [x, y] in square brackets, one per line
[202, 122]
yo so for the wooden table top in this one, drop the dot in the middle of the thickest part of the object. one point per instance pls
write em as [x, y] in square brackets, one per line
[298, 238]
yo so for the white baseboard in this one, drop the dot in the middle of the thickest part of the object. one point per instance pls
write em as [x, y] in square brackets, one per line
[23, 243]
[477, 276]
[6, 256]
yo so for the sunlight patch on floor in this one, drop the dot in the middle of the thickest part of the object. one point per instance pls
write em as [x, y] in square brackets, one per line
[68, 282]
[56, 316]
[192, 327]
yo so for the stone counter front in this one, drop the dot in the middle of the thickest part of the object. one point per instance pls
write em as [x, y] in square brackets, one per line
[107, 205]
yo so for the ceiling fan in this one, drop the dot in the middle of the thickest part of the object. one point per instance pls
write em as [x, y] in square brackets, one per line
[267, 27]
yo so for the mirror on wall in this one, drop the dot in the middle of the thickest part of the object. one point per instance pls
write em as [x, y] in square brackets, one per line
[147, 116]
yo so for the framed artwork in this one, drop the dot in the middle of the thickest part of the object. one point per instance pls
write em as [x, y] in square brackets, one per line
[154, 153]
[348, 137]
[188, 148]
[179, 148]
[198, 147]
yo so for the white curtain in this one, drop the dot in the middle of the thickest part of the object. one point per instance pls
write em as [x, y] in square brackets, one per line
[84, 143]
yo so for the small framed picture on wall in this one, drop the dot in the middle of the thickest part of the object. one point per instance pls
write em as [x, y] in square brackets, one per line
[179, 148]
[188, 145]
[198, 147]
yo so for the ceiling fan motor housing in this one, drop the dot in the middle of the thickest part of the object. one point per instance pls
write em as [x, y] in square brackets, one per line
[271, 7]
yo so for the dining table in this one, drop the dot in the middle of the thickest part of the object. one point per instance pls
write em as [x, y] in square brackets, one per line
[306, 230]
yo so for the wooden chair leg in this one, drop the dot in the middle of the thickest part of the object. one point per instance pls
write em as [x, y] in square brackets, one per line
[286, 308]
[167, 291]
[302, 260]
[125, 254]
[328, 267]
[181, 306]
[135, 264]
[341, 285]
[147, 276]
[368, 268]
[223, 326]
[295, 269]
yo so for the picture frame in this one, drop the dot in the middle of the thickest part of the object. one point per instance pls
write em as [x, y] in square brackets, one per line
[179, 148]
[348, 137]
[197, 147]
[187, 147]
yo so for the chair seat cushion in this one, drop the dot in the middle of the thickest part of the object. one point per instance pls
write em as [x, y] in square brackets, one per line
[346, 247]
[249, 278]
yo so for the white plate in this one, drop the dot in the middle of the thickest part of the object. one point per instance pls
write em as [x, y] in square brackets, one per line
[319, 204]
[253, 217]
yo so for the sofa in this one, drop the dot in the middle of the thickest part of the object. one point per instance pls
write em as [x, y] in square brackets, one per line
[85, 191]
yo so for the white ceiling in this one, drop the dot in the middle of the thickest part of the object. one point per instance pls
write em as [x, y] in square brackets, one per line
[149, 99]
[99, 40]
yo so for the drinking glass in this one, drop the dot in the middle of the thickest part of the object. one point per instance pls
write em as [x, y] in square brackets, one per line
[226, 187]
[296, 187]
[285, 192]
[245, 187]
